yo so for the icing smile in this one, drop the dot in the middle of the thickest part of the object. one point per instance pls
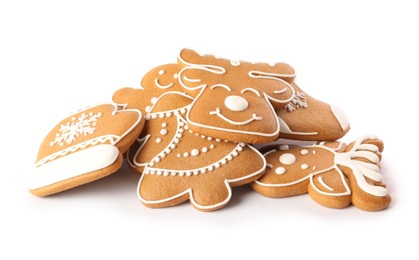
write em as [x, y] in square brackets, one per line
[218, 113]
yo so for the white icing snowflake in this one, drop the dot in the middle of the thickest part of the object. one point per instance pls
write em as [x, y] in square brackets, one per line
[84, 125]
[299, 101]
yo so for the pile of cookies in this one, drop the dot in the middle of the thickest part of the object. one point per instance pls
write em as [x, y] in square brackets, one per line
[200, 126]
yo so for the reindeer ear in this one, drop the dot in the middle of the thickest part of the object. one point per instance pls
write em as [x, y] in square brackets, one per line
[188, 57]
[278, 91]
[278, 70]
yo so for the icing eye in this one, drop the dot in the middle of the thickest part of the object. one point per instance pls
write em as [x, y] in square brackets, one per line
[221, 86]
[251, 90]
[236, 103]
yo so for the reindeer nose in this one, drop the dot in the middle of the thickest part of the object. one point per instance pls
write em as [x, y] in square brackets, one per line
[236, 103]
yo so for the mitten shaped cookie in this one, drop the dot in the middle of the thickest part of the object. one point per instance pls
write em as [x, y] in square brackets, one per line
[85, 146]
[237, 99]
[333, 174]
[177, 164]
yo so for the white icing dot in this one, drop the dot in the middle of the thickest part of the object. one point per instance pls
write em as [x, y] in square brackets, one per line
[153, 100]
[172, 146]
[236, 103]
[304, 166]
[168, 114]
[161, 72]
[175, 75]
[284, 147]
[163, 132]
[287, 158]
[304, 151]
[163, 125]
[167, 151]
[158, 140]
[204, 150]
[235, 63]
[212, 146]
[194, 152]
[185, 154]
[166, 173]
[161, 115]
[154, 116]
[178, 155]
[73, 118]
[280, 170]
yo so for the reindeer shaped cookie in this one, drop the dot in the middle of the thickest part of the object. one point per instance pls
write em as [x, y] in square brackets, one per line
[176, 163]
[237, 99]
[333, 174]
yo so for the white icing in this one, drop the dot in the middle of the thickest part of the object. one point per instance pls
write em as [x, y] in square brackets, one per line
[304, 166]
[304, 151]
[251, 90]
[280, 170]
[75, 164]
[287, 159]
[236, 103]
[286, 129]
[321, 181]
[189, 191]
[340, 116]
[111, 138]
[299, 101]
[218, 113]
[360, 169]
[71, 130]
[221, 86]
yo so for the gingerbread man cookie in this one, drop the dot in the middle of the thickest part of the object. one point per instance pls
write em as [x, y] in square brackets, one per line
[176, 163]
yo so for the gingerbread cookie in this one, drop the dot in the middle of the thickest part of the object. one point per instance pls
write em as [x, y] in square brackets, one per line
[309, 119]
[237, 100]
[333, 174]
[85, 146]
[176, 163]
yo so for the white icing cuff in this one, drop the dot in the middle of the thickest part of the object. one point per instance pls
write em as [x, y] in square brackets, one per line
[87, 160]
[340, 116]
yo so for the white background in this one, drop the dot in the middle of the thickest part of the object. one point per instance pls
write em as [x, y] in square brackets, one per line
[59, 56]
